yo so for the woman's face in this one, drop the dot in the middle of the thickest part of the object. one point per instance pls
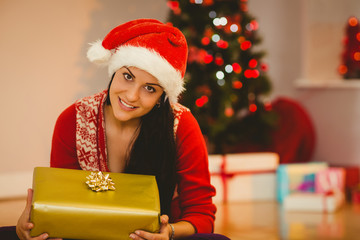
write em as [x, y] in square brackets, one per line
[133, 93]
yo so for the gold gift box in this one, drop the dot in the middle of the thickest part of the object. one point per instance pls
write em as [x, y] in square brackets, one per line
[64, 206]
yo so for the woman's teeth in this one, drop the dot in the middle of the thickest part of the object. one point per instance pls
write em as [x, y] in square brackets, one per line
[126, 105]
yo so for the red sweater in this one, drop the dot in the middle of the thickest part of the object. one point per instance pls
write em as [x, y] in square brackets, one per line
[193, 201]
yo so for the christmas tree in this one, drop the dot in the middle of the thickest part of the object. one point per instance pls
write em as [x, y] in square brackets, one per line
[226, 81]
[350, 66]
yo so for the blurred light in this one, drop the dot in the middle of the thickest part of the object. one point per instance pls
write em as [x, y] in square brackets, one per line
[251, 73]
[229, 112]
[245, 45]
[357, 56]
[221, 82]
[222, 44]
[252, 107]
[254, 24]
[198, 1]
[253, 63]
[264, 67]
[173, 4]
[249, 27]
[234, 28]
[219, 61]
[241, 39]
[353, 21]
[223, 21]
[358, 36]
[237, 84]
[215, 38]
[268, 106]
[228, 68]
[216, 21]
[201, 101]
[248, 73]
[343, 69]
[212, 14]
[208, 58]
[220, 75]
[205, 41]
[236, 68]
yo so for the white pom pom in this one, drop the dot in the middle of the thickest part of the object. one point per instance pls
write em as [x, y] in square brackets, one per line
[98, 54]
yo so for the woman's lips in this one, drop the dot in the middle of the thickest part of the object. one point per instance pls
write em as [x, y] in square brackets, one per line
[125, 105]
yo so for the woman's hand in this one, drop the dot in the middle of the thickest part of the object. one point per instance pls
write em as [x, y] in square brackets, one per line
[165, 231]
[24, 225]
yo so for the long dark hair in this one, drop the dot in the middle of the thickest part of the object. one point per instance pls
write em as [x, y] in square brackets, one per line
[154, 150]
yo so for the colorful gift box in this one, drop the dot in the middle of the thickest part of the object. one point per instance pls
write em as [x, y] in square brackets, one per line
[314, 202]
[312, 187]
[253, 173]
[65, 206]
[297, 177]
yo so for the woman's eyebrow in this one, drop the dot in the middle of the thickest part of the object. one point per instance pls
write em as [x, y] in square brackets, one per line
[130, 72]
[154, 84]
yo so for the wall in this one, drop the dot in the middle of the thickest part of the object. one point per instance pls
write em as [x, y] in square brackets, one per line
[304, 42]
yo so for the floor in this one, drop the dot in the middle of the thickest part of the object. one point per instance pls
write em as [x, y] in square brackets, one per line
[255, 221]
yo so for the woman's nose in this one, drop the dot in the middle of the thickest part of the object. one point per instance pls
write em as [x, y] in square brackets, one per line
[133, 94]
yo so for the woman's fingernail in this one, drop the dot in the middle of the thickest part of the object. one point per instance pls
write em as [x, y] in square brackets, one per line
[132, 236]
[45, 236]
[137, 232]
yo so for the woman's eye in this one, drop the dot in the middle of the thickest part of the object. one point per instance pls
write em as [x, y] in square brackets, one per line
[127, 76]
[150, 89]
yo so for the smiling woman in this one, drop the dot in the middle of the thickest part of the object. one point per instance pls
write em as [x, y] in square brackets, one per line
[136, 126]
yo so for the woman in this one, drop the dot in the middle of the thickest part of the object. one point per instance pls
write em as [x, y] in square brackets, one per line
[137, 126]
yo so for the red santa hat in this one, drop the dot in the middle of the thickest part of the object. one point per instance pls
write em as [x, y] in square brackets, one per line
[150, 45]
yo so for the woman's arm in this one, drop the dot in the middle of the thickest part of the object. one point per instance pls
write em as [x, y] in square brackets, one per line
[63, 148]
[195, 192]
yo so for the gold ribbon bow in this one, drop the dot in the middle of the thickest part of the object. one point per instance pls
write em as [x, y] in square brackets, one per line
[100, 182]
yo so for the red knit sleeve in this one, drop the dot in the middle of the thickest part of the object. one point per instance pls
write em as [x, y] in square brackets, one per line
[194, 188]
[63, 148]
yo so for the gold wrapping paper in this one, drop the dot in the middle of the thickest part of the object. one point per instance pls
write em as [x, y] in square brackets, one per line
[65, 207]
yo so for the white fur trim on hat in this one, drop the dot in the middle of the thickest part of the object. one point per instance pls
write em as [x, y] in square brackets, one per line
[98, 54]
[152, 62]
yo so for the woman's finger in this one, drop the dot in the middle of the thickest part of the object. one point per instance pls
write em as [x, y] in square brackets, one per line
[29, 199]
[136, 236]
[164, 219]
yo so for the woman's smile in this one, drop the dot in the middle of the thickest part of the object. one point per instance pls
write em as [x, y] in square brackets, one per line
[126, 106]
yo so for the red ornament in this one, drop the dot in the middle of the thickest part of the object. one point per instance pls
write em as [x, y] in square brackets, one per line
[236, 68]
[200, 102]
[254, 25]
[174, 6]
[222, 44]
[357, 56]
[208, 58]
[252, 107]
[229, 112]
[237, 84]
[342, 69]
[245, 45]
[219, 61]
[248, 73]
[205, 41]
[353, 21]
[358, 37]
[253, 63]
[251, 73]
